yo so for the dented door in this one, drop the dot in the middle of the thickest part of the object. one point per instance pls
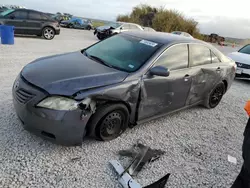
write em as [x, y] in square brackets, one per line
[164, 94]
[206, 70]
[204, 79]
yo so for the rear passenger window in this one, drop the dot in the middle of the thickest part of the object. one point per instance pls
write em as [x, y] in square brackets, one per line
[176, 57]
[215, 59]
[19, 15]
[199, 55]
[34, 16]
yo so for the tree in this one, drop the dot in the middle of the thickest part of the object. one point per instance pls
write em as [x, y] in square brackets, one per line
[161, 19]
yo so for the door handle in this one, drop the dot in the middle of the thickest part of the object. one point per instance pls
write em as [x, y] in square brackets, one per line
[186, 77]
[218, 69]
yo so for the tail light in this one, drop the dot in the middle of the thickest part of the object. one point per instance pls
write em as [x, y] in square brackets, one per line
[56, 24]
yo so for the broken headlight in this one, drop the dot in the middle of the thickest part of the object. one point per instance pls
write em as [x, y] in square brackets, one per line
[58, 103]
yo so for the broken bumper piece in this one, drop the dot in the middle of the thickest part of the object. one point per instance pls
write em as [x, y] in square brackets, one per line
[140, 158]
[128, 182]
[124, 178]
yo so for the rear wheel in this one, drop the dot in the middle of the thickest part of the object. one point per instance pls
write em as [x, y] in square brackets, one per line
[215, 96]
[109, 121]
[48, 33]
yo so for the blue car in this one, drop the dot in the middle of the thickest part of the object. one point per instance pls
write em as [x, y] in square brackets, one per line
[77, 23]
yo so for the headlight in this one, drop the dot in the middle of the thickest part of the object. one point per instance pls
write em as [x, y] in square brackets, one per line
[59, 103]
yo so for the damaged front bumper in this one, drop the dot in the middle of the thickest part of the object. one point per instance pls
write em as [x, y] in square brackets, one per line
[62, 127]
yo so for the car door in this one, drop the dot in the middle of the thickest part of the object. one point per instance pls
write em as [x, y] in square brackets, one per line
[165, 94]
[206, 70]
[34, 23]
[125, 27]
[18, 20]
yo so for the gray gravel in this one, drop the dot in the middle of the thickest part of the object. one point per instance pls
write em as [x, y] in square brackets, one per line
[197, 141]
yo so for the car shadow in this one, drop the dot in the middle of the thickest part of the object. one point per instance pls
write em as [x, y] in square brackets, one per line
[29, 36]
[242, 81]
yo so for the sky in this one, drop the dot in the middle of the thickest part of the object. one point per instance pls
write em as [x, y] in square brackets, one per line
[229, 18]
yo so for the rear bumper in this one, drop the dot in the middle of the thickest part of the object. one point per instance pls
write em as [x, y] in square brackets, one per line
[58, 31]
[62, 127]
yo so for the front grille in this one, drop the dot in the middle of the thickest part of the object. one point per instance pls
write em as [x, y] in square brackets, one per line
[243, 76]
[23, 96]
[241, 65]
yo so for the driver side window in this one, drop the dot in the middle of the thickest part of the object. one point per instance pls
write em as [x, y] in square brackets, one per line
[174, 58]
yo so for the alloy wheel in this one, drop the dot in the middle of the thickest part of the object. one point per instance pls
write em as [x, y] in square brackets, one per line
[216, 95]
[49, 33]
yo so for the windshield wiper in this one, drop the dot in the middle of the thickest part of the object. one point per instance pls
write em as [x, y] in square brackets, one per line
[102, 61]
[98, 59]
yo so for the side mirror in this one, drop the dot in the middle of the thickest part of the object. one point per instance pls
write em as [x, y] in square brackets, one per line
[12, 17]
[159, 71]
[120, 28]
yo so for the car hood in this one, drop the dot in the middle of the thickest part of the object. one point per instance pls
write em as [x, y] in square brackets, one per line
[240, 57]
[105, 27]
[69, 73]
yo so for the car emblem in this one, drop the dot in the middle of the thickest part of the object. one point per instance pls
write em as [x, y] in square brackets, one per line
[16, 85]
[239, 64]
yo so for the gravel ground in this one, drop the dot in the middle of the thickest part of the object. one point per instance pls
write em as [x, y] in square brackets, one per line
[197, 141]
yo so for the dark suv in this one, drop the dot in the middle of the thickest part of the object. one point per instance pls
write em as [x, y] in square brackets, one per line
[30, 22]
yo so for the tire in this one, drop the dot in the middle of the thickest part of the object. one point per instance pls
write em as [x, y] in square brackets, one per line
[109, 122]
[71, 26]
[215, 96]
[89, 28]
[48, 33]
[99, 36]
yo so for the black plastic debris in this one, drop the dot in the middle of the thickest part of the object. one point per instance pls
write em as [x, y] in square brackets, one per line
[160, 183]
[141, 155]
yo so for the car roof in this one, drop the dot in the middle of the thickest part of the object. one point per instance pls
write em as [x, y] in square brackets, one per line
[24, 9]
[127, 23]
[163, 38]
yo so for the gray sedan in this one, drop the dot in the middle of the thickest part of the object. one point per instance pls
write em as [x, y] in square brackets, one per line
[118, 83]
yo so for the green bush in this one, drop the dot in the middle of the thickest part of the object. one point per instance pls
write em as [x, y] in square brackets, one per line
[97, 24]
[161, 19]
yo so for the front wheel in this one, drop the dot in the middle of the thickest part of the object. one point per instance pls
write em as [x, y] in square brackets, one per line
[48, 33]
[215, 96]
[99, 36]
[109, 121]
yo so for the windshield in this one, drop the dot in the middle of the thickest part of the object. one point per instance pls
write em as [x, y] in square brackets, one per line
[4, 13]
[245, 49]
[123, 52]
[115, 25]
[176, 32]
